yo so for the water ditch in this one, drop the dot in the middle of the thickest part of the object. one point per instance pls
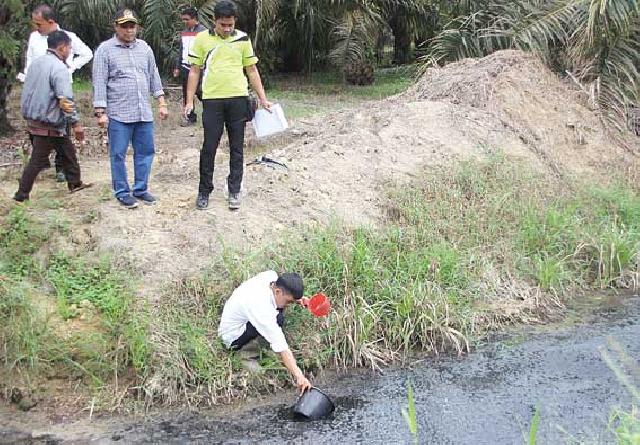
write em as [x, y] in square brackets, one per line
[487, 397]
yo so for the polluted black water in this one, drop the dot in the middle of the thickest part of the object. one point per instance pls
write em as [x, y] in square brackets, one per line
[487, 397]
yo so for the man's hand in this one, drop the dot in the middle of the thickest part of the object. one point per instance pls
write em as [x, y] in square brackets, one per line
[163, 112]
[186, 111]
[290, 363]
[103, 120]
[264, 103]
[304, 301]
[66, 105]
[303, 383]
[78, 132]
[176, 72]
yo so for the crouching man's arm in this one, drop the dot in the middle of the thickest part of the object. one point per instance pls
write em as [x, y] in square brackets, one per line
[290, 363]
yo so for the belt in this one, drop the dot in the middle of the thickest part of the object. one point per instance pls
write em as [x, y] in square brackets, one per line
[39, 129]
[45, 132]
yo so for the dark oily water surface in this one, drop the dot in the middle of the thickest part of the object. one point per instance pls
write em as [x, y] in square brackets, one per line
[488, 397]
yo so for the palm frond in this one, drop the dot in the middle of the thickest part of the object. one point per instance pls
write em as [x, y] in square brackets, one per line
[351, 37]
[159, 18]
[599, 41]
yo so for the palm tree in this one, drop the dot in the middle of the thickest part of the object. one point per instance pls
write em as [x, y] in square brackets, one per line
[596, 41]
[291, 35]
[11, 21]
[308, 33]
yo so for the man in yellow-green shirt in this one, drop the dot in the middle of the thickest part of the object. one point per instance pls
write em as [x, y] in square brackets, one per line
[221, 56]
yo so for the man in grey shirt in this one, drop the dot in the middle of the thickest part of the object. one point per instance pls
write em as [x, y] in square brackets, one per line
[44, 21]
[47, 105]
[124, 75]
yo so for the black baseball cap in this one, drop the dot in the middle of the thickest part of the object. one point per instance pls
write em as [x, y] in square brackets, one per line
[126, 15]
[292, 283]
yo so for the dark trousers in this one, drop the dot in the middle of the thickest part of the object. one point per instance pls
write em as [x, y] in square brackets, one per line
[58, 158]
[250, 332]
[59, 161]
[42, 147]
[184, 77]
[216, 115]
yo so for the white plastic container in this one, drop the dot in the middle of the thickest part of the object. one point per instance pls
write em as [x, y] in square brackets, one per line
[266, 123]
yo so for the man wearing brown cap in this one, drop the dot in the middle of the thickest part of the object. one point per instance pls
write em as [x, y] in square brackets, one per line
[124, 72]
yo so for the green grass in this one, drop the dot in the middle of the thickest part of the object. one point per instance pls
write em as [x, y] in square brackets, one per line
[82, 85]
[533, 429]
[23, 332]
[410, 414]
[458, 247]
[32, 337]
[76, 282]
[324, 92]
[20, 239]
[624, 424]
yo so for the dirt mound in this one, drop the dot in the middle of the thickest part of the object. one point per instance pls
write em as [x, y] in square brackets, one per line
[517, 94]
[475, 82]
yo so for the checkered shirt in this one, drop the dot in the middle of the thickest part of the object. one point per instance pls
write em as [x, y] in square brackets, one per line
[123, 78]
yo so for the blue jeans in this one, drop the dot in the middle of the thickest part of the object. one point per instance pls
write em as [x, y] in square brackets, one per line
[140, 135]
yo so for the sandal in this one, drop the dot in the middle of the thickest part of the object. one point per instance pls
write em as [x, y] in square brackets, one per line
[82, 186]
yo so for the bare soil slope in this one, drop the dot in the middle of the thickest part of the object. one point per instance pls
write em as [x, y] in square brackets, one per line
[338, 163]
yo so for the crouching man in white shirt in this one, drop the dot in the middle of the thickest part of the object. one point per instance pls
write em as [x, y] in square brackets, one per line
[256, 308]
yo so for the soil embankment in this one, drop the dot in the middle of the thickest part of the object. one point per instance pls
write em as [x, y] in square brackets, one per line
[338, 163]
[339, 166]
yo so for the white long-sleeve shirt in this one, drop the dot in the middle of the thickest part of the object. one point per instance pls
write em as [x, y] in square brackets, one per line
[80, 53]
[253, 301]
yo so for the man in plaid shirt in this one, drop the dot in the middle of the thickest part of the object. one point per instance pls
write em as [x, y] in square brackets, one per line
[124, 75]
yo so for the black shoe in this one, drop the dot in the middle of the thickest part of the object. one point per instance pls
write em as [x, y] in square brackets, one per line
[202, 202]
[20, 197]
[146, 198]
[234, 201]
[127, 201]
[185, 122]
[81, 186]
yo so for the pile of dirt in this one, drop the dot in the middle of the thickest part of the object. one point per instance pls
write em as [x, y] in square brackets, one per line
[516, 94]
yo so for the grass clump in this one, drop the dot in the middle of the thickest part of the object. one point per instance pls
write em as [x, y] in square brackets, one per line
[76, 282]
[20, 239]
[96, 331]
[624, 424]
[23, 333]
[99, 293]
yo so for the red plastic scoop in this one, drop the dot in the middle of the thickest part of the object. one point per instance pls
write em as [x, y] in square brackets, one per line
[319, 305]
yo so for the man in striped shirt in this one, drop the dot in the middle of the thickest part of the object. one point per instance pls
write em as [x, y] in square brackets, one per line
[189, 16]
[124, 74]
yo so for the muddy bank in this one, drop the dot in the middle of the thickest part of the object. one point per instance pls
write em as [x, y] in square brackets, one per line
[488, 397]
